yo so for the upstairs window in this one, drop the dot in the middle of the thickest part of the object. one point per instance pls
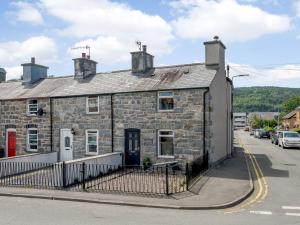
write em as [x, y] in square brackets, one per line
[32, 140]
[165, 101]
[32, 107]
[92, 142]
[165, 143]
[92, 105]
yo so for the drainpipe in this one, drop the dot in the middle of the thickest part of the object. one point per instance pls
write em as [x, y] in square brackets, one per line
[51, 127]
[112, 122]
[204, 127]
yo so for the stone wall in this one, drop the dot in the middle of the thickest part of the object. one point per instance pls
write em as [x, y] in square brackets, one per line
[14, 115]
[139, 110]
[71, 113]
[131, 110]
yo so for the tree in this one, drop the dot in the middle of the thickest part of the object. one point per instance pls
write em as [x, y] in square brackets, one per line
[291, 104]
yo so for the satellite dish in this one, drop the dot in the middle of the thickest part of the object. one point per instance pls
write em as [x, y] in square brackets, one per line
[40, 112]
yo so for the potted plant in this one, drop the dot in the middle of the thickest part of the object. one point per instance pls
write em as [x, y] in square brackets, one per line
[147, 162]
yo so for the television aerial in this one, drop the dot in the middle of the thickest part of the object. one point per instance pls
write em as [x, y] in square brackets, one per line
[84, 47]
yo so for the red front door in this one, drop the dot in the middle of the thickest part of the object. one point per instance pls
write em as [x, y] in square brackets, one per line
[11, 144]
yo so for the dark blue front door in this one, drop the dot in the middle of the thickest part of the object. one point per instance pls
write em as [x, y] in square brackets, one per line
[132, 147]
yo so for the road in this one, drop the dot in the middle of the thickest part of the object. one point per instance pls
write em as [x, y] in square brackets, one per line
[275, 201]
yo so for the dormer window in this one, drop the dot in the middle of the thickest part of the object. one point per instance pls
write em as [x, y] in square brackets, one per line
[32, 107]
[165, 101]
[92, 105]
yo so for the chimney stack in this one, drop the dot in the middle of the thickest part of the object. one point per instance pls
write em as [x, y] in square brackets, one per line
[2, 75]
[33, 72]
[84, 67]
[215, 54]
[141, 61]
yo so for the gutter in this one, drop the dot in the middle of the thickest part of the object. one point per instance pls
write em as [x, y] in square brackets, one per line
[204, 158]
[112, 122]
[51, 126]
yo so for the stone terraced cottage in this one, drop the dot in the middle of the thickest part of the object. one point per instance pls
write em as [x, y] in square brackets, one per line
[145, 112]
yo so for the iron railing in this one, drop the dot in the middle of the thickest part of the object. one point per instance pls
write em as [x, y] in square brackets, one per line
[163, 179]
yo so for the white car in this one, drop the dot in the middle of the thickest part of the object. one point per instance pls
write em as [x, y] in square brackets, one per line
[289, 139]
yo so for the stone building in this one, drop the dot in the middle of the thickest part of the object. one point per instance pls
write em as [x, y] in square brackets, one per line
[165, 113]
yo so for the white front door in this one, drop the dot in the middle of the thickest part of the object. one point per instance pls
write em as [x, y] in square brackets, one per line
[66, 145]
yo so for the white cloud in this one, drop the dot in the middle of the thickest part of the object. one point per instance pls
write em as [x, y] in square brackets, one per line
[282, 75]
[27, 12]
[227, 18]
[297, 7]
[110, 28]
[14, 53]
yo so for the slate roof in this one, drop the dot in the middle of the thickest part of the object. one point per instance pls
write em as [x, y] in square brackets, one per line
[160, 78]
[291, 114]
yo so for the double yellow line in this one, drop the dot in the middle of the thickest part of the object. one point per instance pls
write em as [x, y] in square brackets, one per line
[262, 183]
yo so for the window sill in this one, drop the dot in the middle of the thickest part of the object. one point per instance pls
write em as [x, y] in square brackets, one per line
[91, 154]
[31, 115]
[92, 113]
[32, 151]
[169, 110]
[166, 156]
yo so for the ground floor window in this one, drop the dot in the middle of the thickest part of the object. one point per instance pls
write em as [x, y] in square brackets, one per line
[165, 143]
[92, 142]
[32, 140]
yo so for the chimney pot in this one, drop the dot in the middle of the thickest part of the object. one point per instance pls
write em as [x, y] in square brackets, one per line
[216, 38]
[83, 55]
[33, 60]
[144, 48]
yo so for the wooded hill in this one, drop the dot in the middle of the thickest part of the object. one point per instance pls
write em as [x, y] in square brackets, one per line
[262, 99]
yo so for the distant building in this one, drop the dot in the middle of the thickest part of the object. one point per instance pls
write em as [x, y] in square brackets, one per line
[2, 75]
[292, 119]
[239, 120]
[262, 115]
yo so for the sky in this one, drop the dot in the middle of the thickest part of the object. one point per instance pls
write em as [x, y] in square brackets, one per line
[262, 37]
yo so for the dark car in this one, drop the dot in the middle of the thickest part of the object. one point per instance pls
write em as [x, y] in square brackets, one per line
[263, 134]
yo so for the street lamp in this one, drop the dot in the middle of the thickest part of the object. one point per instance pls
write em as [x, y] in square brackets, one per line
[240, 75]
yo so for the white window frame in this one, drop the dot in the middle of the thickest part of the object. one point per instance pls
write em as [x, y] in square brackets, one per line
[158, 101]
[87, 104]
[158, 143]
[86, 142]
[37, 140]
[28, 107]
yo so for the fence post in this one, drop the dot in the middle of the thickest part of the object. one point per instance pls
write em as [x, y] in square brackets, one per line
[187, 175]
[64, 177]
[167, 180]
[83, 175]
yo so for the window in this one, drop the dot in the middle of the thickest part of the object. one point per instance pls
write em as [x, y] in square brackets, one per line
[32, 107]
[32, 140]
[92, 105]
[165, 101]
[165, 143]
[92, 142]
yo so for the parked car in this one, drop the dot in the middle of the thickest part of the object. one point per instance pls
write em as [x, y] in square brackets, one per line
[261, 133]
[289, 139]
[264, 134]
[274, 137]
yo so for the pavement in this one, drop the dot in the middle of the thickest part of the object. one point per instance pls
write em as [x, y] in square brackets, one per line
[224, 186]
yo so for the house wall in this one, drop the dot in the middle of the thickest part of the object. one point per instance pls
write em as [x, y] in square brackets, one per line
[134, 110]
[71, 113]
[14, 115]
[220, 123]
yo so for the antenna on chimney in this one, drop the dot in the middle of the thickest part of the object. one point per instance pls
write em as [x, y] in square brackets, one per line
[84, 47]
[139, 44]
